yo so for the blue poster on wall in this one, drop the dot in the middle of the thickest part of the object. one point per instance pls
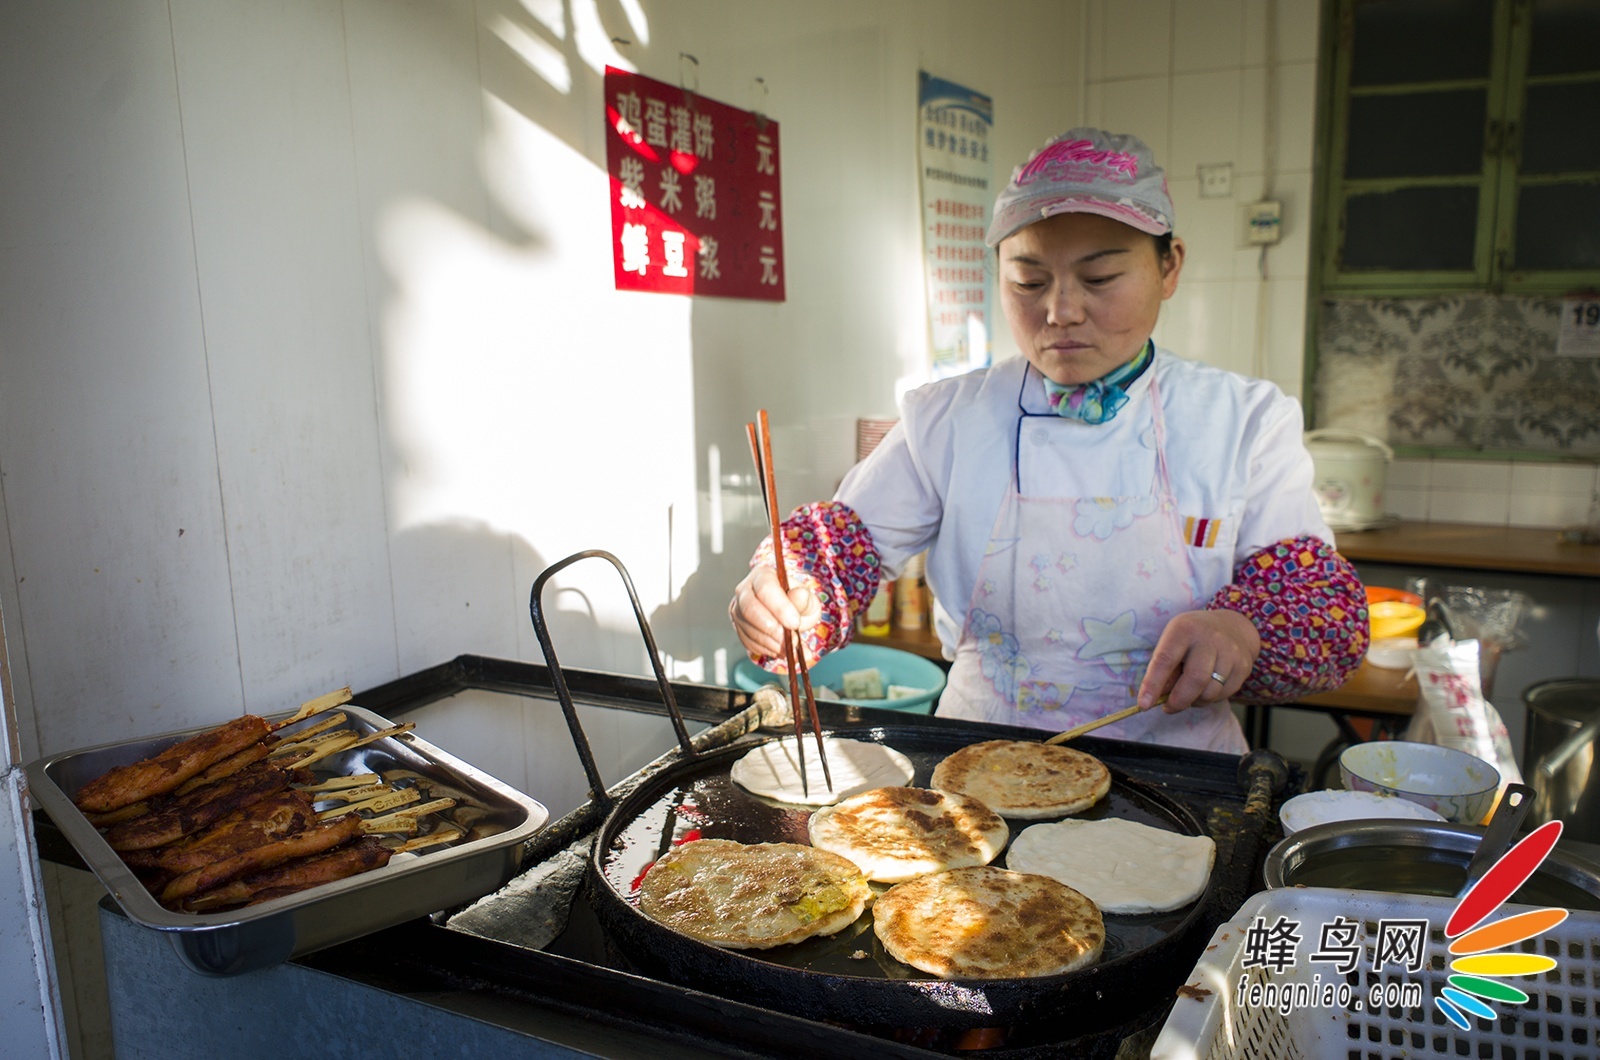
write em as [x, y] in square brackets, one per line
[954, 177]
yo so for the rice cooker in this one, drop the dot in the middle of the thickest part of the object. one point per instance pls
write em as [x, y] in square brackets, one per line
[1351, 469]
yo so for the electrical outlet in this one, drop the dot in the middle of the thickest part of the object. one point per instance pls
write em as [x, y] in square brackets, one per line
[1216, 181]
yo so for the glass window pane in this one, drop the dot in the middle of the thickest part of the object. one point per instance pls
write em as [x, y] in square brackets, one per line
[1560, 130]
[1411, 229]
[1406, 41]
[1426, 134]
[1558, 226]
[1564, 36]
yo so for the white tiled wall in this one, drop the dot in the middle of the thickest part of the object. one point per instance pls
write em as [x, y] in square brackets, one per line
[1197, 80]
[1496, 493]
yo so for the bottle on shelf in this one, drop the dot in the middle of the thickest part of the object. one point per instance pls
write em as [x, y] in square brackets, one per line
[874, 621]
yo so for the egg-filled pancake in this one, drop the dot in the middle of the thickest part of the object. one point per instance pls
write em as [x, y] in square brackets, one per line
[753, 896]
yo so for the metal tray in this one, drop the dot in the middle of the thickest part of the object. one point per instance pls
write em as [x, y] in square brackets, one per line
[498, 819]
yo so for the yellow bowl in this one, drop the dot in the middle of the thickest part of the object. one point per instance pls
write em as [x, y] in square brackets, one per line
[1394, 618]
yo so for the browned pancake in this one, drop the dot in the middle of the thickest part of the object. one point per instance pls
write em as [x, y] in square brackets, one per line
[753, 897]
[988, 923]
[1022, 779]
[898, 834]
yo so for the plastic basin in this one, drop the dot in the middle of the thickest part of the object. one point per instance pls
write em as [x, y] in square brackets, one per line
[898, 668]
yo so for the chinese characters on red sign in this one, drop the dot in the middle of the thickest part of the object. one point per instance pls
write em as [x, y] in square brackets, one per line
[695, 198]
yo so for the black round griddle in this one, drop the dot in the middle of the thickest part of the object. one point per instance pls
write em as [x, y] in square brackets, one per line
[848, 976]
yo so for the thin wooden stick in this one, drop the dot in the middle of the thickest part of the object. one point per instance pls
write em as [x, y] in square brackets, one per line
[310, 732]
[340, 783]
[386, 801]
[421, 809]
[316, 706]
[798, 659]
[433, 839]
[1063, 737]
[366, 791]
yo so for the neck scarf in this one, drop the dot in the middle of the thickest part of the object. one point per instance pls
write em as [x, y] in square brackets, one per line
[1099, 400]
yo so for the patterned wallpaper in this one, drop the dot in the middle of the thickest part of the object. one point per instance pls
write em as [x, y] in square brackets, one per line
[1459, 372]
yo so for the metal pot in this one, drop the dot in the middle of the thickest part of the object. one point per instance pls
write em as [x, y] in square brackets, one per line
[1415, 857]
[1352, 470]
[1559, 759]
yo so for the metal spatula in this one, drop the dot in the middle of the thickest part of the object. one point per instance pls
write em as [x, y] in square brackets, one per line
[1498, 838]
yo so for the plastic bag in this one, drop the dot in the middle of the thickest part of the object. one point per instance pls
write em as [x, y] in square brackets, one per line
[1453, 711]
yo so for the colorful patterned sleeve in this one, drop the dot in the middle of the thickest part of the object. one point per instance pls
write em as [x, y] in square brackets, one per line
[1310, 609]
[828, 549]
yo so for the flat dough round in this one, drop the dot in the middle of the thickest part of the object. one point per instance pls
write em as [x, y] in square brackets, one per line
[773, 770]
[755, 896]
[898, 834]
[1123, 866]
[988, 923]
[1017, 778]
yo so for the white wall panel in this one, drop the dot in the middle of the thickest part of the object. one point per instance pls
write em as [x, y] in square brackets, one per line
[417, 126]
[267, 124]
[123, 601]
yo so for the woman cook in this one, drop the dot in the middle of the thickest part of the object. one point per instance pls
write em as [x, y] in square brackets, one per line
[1105, 522]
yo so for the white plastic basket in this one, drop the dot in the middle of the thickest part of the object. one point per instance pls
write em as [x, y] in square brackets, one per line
[1211, 1021]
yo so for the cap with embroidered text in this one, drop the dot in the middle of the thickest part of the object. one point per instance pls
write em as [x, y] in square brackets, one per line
[1086, 171]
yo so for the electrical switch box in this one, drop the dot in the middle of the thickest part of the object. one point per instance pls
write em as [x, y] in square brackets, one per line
[1263, 222]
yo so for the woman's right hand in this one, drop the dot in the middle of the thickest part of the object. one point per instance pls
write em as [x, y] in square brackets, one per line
[761, 612]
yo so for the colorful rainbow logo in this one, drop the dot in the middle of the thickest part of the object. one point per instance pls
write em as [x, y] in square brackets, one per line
[1479, 968]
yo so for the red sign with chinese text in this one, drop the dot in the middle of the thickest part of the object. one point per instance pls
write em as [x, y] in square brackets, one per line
[695, 199]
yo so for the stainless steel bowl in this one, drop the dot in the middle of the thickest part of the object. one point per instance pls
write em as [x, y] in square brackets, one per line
[1416, 857]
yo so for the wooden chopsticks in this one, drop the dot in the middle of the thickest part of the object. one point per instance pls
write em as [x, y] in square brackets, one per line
[794, 653]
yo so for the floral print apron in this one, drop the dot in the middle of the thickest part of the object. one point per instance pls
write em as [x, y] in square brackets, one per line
[1071, 597]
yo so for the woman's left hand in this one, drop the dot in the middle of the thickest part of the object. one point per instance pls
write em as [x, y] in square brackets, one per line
[1203, 657]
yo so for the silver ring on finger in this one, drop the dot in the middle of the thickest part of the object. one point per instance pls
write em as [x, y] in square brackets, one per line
[1218, 678]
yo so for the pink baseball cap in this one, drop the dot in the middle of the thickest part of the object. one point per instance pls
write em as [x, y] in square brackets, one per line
[1086, 171]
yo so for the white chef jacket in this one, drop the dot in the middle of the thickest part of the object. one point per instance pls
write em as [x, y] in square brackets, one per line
[1240, 469]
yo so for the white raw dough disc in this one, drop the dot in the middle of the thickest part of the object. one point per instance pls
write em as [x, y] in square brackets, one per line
[773, 770]
[1123, 866]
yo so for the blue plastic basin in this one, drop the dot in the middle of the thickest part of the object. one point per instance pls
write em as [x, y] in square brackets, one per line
[897, 667]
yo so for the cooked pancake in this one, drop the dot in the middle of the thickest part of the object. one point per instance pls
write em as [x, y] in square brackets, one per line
[1026, 780]
[988, 923]
[898, 834]
[1123, 866]
[753, 897]
[773, 770]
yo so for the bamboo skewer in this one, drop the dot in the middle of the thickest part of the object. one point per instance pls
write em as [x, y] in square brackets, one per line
[332, 721]
[340, 783]
[433, 839]
[387, 801]
[366, 791]
[316, 706]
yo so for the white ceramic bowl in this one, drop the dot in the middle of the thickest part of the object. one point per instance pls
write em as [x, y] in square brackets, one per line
[1392, 653]
[1322, 807]
[1454, 784]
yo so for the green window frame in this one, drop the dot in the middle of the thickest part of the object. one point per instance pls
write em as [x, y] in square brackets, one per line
[1505, 85]
[1384, 110]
